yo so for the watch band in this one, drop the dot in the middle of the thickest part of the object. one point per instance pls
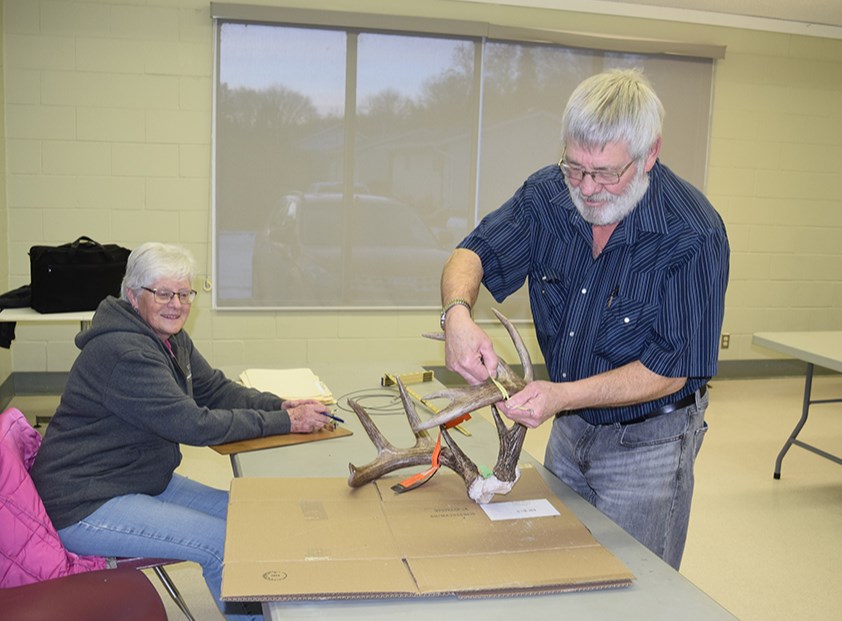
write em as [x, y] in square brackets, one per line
[451, 304]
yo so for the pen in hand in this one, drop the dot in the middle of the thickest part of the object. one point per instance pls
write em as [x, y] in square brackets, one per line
[332, 417]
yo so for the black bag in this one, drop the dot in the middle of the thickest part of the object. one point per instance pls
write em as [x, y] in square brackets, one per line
[75, 276]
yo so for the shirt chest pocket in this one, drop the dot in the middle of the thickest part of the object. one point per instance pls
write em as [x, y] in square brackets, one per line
[547, 294]
[624, 330]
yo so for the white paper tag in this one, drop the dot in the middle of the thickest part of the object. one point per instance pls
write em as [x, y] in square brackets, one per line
[519, 509]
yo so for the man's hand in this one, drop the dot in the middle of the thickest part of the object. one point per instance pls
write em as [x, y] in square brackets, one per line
[632, 383]
[306, 415]
[537, 402]
[468, 350]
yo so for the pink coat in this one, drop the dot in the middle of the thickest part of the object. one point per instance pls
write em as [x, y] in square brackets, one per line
[30, 548]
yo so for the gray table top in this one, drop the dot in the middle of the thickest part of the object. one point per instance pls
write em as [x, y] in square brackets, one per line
[823, 348]
[30, 314]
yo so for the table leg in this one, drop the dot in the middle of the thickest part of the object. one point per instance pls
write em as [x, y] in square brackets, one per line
[793, 437]
[235, 465]
[805, 409]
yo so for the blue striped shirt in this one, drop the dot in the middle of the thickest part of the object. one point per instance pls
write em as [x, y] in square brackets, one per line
[655, 294]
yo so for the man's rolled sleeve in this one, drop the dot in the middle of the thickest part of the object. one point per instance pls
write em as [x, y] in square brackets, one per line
[686, 336]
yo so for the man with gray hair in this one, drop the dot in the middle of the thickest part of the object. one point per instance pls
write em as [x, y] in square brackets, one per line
[627, 266]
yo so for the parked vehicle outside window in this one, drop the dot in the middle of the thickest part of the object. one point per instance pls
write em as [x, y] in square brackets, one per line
[318, 249]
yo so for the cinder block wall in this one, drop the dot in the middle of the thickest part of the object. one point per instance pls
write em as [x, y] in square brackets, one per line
[108, 134]
[5, 354]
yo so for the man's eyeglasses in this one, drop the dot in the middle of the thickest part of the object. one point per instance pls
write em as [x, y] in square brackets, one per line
[601, 177]
[165, 296]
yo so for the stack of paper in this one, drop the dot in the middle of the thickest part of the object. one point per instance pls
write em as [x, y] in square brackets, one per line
[288, 383]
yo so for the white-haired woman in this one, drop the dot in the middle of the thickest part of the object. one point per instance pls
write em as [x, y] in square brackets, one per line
[138, 389]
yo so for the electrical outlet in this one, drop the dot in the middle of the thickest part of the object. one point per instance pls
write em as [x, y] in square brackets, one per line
[725, 341]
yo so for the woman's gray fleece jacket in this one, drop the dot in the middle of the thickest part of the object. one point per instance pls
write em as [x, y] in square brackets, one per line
[127, 406]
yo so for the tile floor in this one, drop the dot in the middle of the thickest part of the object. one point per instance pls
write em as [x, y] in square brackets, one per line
[767, 550]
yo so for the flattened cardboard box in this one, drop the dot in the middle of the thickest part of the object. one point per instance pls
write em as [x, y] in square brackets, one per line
[310, 538]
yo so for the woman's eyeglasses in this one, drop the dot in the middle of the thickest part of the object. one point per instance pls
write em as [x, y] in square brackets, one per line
[165, 296]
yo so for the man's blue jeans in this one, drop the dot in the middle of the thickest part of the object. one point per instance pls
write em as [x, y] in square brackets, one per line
[639, 475]
[186, 522]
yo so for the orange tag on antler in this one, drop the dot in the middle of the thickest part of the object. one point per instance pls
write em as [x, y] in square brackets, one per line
[457, 421]
[417, 480]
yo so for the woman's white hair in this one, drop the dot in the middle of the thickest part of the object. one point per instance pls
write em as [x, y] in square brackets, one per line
[618, 106]
[153, 261]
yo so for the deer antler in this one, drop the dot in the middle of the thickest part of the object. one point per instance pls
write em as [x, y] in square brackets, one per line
[463, 400]
[390, 458]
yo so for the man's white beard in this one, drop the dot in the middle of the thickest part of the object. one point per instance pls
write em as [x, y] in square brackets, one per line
[615, 207]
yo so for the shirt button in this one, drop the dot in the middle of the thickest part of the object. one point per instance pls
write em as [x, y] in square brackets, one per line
[626, 320]
[572, 333]
[564, 375]
[584, 291]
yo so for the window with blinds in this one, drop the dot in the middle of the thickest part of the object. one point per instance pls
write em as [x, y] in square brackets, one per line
[349, 159]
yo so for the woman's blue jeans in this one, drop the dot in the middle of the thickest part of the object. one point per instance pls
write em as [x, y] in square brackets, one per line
[186, 522]
[639, 475]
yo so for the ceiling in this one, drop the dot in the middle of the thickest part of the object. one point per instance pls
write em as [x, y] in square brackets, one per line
[819, 18]
[820, 12]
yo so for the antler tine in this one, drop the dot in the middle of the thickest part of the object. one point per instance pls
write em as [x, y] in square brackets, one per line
[388, 457]
[409, 406]
[377, 438]
[463, 400]
[520, 347]
[511, 444]
[458, 461]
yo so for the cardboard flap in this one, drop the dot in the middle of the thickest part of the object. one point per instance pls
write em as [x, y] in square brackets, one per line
[511, 572]
[335, 579]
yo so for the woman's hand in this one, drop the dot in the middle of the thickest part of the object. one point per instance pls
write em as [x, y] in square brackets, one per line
[306, 415]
